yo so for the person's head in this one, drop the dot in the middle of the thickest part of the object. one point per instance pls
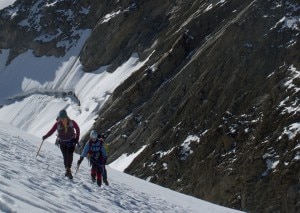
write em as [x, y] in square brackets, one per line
[62, 114]
[93, 135]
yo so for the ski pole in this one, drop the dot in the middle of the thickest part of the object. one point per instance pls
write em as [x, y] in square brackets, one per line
[39, 149]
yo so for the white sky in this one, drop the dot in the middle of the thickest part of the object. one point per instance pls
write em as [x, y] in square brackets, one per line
[5, 3]
[37, 184]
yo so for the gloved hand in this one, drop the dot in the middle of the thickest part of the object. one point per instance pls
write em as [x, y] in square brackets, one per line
[104, 161]
[57, 143]
[78, 146]
[74, 140]
[79, 161]
[44, 137]
[89, 155]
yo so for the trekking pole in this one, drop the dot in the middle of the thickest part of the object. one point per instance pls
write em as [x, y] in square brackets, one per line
[39, 149]
[76, 170]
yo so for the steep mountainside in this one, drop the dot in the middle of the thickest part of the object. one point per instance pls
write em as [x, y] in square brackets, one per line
[217, 103]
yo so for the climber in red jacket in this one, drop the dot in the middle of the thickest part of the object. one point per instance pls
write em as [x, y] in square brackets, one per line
[68, 133]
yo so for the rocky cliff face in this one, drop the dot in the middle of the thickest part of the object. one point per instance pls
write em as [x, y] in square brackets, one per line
[217, 104]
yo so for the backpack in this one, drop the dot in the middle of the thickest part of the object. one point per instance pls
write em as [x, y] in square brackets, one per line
[65, 136]
[99, 155]
[106, 148]
[59, 125]
[102, 137]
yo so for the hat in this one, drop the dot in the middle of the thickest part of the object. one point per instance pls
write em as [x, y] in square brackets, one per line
[62, 114]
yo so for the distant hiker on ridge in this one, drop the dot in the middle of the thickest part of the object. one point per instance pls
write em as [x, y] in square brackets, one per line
[95, 151]
[68, 134]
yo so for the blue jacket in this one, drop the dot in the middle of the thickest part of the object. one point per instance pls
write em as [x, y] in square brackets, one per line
[95, 148]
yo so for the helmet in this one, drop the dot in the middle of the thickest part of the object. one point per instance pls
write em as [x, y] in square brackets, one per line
[93, 134]
[62, 114]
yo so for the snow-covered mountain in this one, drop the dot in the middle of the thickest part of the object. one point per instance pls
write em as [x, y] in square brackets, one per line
[198, 96]
[52, 84]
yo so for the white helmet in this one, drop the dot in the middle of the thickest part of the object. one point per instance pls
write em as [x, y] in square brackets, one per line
[93, 134]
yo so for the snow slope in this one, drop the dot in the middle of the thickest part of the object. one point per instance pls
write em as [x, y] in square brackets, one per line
[37, 184]
[6, 3]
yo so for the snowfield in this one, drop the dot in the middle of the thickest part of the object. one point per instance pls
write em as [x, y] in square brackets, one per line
[37, 184]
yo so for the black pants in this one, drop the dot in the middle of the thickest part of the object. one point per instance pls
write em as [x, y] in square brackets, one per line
[67, 152]
[98, 169]
[104, 173]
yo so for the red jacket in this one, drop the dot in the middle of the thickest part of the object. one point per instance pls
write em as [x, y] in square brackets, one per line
[65, 135]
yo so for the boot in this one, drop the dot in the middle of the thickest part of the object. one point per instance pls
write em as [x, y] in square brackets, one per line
[99, 182]
[68, 173]
[93, 178]
[105, 182]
